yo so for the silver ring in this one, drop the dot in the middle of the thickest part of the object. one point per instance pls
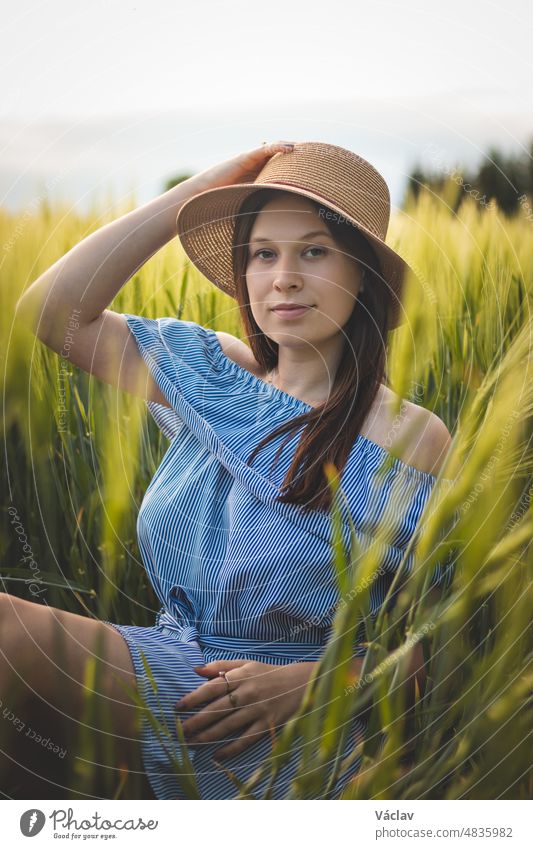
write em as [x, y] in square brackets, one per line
[229, 692]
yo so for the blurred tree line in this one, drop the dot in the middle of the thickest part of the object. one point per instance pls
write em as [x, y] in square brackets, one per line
[506, 178]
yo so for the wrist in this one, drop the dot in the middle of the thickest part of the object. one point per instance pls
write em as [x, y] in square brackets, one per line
[356, 664]
[299, 672]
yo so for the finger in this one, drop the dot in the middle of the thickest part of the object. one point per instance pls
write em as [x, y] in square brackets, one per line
[218, 731]
[208, 716]
[252, 734]
[203, 694]
[216, 666]
[268, 149]
[223, 664]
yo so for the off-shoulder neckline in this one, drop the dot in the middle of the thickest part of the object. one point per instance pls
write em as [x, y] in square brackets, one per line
[297, 403]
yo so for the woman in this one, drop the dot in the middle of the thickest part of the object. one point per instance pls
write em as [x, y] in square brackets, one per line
[234, 528]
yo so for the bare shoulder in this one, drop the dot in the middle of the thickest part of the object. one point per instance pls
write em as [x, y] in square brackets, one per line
[424, 436]
[238, 351]
[435, 442]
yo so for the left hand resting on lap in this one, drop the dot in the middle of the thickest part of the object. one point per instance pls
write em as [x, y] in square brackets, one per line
[266, 695]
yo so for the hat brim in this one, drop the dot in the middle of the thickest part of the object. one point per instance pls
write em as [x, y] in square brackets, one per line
[206, 223]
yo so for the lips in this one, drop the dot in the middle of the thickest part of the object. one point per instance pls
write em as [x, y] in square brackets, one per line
[290, 306]
[291, 312]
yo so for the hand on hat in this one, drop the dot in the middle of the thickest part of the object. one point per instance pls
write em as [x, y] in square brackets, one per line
[243, 168]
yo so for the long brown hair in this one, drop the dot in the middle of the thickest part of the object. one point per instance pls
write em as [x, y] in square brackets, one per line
[331, 428]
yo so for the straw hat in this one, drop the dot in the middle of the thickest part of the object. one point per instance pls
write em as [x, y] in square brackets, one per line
[339, 179]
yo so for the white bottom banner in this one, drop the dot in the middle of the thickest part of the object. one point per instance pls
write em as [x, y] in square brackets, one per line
[306, 823]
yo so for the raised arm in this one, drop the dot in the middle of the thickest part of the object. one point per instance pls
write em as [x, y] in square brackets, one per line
[72, 296]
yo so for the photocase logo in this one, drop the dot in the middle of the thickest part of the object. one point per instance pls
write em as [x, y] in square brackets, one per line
[32, 822]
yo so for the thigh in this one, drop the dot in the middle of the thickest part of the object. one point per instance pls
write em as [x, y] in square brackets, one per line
[69, 724]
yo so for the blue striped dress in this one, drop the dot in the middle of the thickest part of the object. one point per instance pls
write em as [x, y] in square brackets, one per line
[237, 574]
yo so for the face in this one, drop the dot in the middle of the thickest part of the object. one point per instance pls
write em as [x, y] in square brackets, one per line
[293, 257]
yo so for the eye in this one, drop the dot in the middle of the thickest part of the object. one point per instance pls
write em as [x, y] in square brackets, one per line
[266, 250]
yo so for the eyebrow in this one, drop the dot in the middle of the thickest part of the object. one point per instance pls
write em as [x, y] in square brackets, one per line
[306, 236]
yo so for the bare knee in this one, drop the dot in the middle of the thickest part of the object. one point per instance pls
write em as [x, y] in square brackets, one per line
[12, 642]
[61, 654]
[10, 606]
[48, 659]
[25, 644]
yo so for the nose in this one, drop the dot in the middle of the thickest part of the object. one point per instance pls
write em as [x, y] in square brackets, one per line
[286, 275]
[286, 283]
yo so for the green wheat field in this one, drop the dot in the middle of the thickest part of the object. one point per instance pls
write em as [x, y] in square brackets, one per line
[79, 454]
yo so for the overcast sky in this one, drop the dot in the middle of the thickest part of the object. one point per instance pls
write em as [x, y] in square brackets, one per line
[122, 95]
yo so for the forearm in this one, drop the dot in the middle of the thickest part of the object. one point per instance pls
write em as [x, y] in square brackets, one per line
[89, 276]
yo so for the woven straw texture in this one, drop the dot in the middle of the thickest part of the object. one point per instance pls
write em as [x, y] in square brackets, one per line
[343, 181]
